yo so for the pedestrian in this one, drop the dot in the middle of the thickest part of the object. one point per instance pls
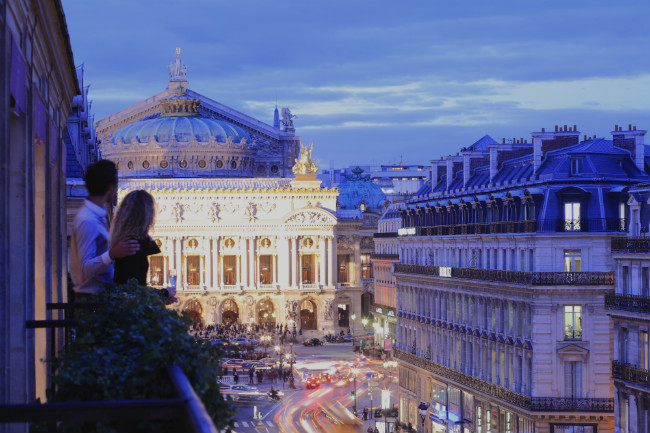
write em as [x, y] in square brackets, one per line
[251, 374]
[365, 413]
[235, 377]
[410, 427]
[91, 257]
[260, 377]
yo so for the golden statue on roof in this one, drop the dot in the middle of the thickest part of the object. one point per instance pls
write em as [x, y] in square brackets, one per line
[304, 164]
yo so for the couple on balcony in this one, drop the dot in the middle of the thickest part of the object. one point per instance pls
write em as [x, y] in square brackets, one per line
[98, 257]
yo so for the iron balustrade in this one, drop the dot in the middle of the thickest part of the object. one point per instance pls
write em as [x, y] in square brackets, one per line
[385, 235]
[631, 244]
[569, 404]
[630, 373]
[380, 256]
[632, 303]
[186, 411]
[542, 404]
[557, 225]
[518, 277]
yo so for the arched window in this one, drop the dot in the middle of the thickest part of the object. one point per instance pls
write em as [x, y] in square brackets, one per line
[230, 313]
[308, 316]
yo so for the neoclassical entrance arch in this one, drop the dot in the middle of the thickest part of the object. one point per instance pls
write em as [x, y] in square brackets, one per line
[229, 312]
[194, 310]
[266, 311]
[308, 315]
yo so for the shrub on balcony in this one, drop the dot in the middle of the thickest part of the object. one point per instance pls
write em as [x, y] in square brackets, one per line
[121, 352]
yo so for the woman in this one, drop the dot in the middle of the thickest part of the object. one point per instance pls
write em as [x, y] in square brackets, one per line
[133, 219]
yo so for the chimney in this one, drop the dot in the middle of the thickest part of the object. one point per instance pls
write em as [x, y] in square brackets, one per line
[454, 163]
[544, 142]
[437, 170]
[472, 160]
[632, 141]
[503, 152]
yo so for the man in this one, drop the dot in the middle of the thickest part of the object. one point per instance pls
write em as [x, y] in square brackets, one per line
[91, 261]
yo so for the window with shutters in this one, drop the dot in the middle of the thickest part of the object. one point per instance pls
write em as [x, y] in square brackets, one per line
[573, 379]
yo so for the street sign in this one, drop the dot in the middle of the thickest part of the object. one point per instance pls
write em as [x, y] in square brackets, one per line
[373, 384]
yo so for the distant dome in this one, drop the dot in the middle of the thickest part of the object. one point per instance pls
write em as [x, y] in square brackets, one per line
[180, 142]
[180, 120]
[359, 192]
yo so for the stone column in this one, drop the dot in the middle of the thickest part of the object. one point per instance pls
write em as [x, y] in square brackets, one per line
[207, 252]
[634, 422]
[216, 258]
[294, 253]
[243, 259]
[322, 260]
[283, 262]
[331, 269]
[179, 262]
[251, 262]
[357, 261]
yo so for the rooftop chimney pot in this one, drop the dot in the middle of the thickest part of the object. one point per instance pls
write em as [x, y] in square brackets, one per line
[629, 127]
[555, 128]
[543, 130]
[565, 127]
[635, 127]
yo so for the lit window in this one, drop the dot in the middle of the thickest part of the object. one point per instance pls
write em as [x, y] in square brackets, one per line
[193, 270]
[621, 216]
[572, 261]
[572, 322]
[366, 266]
[573, 379]
[572, 216]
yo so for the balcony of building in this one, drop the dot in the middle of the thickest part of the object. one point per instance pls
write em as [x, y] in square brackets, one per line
[184, 411]
[631, 374]
[534, 404]
[386, 257]
[559, 225]
[507, 276]
[631, 303]
[631, 244]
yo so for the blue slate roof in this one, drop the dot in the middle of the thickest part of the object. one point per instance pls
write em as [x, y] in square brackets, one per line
[482, 144]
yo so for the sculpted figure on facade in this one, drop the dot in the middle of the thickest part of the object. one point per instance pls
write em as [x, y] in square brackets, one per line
[367, 243]
[287, 118]
[329, 310]
[304, 164]
[177, 70]
[177, 212]
[251, 212]
[343, 242]
[213, 213]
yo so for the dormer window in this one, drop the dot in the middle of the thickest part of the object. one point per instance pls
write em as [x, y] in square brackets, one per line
[576, 166]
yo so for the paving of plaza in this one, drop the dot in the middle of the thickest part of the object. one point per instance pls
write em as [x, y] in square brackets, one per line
[302, 410]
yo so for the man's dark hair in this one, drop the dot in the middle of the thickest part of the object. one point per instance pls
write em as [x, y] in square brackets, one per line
[100, 176]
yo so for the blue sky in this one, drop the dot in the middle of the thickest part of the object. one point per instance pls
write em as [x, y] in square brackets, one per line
[374, 81]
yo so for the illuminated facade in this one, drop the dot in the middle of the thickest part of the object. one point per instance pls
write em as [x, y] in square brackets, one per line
[247, 233]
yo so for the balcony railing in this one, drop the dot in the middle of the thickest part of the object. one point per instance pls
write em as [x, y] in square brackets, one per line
[633, 303]
[630, 373]
[378, 256]
[630, 244]
[591, 225]
[518, 277]
[385, 235]
[542, 404]
[185, 412]
[567, 404]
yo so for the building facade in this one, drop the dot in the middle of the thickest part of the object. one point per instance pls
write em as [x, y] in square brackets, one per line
[38, 84]
[629, 308]
[247, 233]
[504, 267]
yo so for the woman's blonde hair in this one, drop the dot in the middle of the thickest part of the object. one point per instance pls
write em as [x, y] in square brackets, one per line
[134, 217]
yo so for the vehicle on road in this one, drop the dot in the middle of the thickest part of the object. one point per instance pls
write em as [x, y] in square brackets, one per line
[325, 377]
[240, 341]
[241, 392]
[347, 338]
[312, 342]
[312, 382]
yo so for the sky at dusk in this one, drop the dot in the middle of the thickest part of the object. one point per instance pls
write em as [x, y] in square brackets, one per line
[374, 81]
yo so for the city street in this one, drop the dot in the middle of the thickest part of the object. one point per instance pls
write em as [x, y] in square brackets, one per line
[326, 407]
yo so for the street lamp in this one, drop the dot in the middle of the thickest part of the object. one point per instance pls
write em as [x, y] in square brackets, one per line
[353, 316]
[280, 351]
[422, 410]
[355, 371]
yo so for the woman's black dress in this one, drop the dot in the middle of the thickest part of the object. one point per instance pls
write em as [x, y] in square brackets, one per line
[136, 265]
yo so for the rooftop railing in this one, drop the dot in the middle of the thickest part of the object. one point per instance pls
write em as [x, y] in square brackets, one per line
[632, 303]
[631, 244]
[379, 256]
[518, 277]
[589, 225]
[541, 404]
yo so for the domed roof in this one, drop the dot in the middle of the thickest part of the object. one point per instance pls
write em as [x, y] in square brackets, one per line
[358, 190]
[182, 128]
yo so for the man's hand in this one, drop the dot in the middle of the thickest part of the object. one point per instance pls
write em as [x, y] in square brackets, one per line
[124, 248]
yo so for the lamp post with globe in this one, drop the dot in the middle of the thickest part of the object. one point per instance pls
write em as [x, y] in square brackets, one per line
[422, 411]
[364, 322]
[353, 316]
[280, 351]
[355, 372]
